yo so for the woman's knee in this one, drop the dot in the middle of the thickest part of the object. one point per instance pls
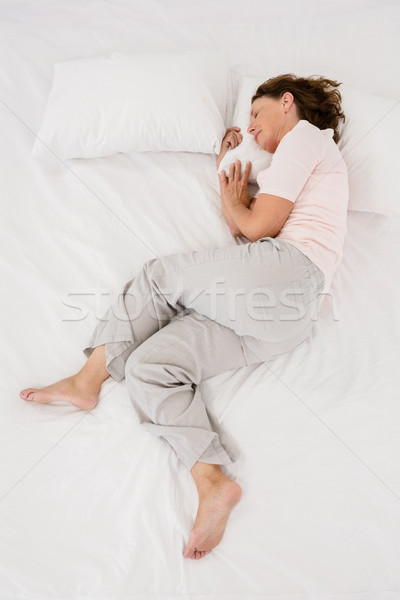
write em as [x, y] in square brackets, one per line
[145, 364]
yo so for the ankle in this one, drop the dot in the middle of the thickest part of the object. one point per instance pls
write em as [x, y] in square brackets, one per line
[206, 476]
[94, 371]
[88, 381]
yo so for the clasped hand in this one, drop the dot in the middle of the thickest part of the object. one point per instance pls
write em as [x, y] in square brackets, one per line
[233, 187]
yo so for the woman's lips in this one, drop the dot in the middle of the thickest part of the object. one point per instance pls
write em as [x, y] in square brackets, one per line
[256, 135]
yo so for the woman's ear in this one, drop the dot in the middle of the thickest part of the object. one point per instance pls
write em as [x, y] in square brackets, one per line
[287, 101]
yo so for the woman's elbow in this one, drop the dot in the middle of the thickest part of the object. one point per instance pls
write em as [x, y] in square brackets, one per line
[258, 233]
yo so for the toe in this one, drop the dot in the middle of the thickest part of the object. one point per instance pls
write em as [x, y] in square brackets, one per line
[189, 552]
[25, 393]
[190, 548]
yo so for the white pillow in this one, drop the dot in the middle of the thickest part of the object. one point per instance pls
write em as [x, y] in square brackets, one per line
[136, 103]
[248, 149]
[370, 147]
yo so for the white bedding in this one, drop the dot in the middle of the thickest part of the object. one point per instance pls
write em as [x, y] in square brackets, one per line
[91, 506]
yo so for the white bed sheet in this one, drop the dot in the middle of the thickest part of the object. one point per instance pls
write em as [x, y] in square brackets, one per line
[91, 506]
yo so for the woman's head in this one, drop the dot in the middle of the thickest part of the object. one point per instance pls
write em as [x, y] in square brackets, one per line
[279, 103]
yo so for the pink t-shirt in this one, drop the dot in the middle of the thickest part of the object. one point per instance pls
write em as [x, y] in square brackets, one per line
[308, 169]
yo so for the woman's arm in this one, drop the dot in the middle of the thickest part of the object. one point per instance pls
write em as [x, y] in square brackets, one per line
[268, 213]
[235, 230]
[266, 218]
[232, 225]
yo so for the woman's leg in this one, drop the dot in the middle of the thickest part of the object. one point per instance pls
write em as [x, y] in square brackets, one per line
[162, 378]
[81, 389]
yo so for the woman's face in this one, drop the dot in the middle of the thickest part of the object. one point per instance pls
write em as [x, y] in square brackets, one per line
[271, 119]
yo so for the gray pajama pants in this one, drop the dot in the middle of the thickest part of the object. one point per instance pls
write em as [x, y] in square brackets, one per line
[188, 316]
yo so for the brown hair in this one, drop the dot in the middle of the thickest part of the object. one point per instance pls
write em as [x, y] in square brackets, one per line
[316, 99]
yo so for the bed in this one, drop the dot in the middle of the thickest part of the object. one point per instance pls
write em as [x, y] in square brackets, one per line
[92, 507]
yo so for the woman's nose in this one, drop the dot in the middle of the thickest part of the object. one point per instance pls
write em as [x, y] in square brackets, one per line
[250, 128]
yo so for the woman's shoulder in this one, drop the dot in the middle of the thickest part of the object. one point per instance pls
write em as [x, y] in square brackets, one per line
[303, 138]
[304, 128]
[319, 141]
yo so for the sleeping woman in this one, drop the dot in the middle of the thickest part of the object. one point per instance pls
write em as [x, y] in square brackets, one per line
[189, 316]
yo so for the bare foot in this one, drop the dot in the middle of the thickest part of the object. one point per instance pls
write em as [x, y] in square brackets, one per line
[216, 501]
[70, 390]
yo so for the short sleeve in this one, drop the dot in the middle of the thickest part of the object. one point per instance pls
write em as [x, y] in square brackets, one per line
[296, 157]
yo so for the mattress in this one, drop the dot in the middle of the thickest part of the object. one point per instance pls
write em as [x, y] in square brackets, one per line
[92, 506]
